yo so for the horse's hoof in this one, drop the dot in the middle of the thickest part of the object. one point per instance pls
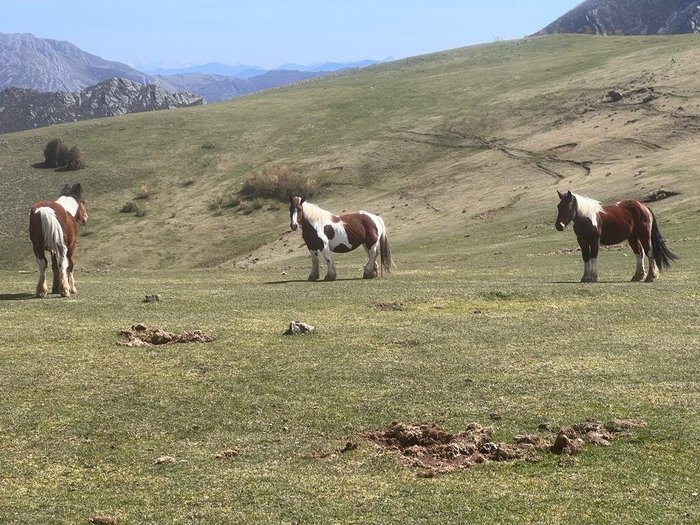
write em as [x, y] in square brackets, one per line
[637, 278]
[65, 293]
[41, 294]
[329, 277]
[650, 278]
[313, 278]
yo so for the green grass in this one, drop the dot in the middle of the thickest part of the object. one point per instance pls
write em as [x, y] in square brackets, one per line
[85, 420]
[446, 148]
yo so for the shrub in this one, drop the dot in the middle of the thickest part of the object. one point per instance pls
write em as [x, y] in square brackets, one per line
[53, 149]
[278, 182]
[57, 155]
[130, 207]
[74, 159]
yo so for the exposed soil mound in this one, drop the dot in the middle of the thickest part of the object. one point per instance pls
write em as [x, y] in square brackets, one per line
[435, 450]
[140, 335]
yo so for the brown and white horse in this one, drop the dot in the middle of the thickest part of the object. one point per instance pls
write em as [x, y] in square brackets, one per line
[53, 227]
[324, 233]
[630, 220]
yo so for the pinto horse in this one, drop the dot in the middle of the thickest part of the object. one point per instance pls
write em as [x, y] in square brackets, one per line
[630, 220]
[53, 227]
[324, 233]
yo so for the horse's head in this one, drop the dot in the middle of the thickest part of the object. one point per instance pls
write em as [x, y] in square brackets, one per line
[81, 215]
[76, 192]
[566, 210]
[295, 211]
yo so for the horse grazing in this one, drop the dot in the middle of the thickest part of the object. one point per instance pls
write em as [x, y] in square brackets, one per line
[324, 232]
[53, 227]
[630, 220]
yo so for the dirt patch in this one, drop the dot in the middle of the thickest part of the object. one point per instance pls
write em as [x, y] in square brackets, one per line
[394, 306]
[103, 520]
[140, 335]
[564, 148]
[434, 450]
[659, 195]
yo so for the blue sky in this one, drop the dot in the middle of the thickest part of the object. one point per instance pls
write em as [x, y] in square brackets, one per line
[269, 33]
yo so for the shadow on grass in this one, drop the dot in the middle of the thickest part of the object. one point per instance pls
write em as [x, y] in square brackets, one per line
[591, 284]
[15, 296]
[319, 281]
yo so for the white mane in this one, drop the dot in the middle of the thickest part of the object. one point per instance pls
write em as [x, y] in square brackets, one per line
[588, 208]
[69, 203]
[315, 215]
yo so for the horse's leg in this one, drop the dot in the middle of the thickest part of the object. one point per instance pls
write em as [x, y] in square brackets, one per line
[636, 246]
[586, 255]
[71, 279]
[653, 268]
[595, 246]
[55, 286]
[41, 288]
[313, 276]
[371, 268]
[330, 275]
[62, 260]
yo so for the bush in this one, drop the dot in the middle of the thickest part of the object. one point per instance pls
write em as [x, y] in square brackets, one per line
[278, 182]
[54, 153]
[130, 207]
[57, 155]
[74, 159]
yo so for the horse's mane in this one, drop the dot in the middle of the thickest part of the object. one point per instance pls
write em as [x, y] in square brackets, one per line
[588, 208]
[314, 214]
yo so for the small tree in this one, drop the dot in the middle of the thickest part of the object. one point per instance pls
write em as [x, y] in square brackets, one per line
[74, 158]
[51, 152]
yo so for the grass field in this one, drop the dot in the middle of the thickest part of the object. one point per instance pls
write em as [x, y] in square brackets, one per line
[461, 152]
[85, 420]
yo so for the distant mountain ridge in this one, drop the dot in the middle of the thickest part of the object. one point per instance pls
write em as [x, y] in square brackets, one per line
[22, 109]
[52, 65]
[215, 88]
[629, 17]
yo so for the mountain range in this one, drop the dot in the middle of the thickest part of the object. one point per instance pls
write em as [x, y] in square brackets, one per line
[629, 17]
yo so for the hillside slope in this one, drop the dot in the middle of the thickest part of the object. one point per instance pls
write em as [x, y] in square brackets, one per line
[460, 151]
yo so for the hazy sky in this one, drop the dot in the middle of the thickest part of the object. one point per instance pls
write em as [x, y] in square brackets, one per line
[269, 33]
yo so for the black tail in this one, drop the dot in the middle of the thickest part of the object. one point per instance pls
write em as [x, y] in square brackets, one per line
[385, 254]
[662, 255]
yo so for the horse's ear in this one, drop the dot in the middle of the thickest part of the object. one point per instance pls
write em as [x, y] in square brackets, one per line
[66, 190]
[561, 195]
[569, 194]
[291, 198]
[77, 190]
[302, 201]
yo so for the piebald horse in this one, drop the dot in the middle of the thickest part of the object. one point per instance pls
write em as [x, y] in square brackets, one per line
[324, 233]
[53, 228]
[630, 220]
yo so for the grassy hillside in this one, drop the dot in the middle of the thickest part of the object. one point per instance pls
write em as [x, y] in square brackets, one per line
[483, 321]
[447, 138]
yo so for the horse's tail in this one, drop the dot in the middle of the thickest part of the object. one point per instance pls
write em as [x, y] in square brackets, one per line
[385, 251]
[52, 231]
[662, 255]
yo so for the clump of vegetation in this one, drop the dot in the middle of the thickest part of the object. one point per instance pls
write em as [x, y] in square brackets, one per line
[57, 155]
[130, 207]
[74, 160]
[278, 182]
[145, 192]
[223, 201]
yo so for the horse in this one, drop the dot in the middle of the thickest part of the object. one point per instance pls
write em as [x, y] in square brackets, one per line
[53, 227]
[325, 232]
[629, 220]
